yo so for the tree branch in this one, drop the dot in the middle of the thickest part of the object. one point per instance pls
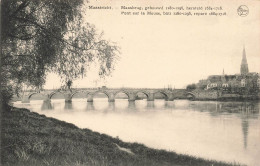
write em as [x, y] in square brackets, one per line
[58, 38]
[23, 5]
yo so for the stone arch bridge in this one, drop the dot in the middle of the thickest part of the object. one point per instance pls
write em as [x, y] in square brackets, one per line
[169, 95]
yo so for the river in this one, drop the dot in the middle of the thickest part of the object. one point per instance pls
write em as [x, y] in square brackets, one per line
[223, 131]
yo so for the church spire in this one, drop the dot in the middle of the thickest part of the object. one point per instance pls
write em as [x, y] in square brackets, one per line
[244, 65]
[223, 78]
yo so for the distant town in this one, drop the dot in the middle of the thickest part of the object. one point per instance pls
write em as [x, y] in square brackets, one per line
[243, 85]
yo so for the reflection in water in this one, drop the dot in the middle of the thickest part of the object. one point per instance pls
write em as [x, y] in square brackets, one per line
[249, 107]
[169, 104]
[245, 110]
[215, 108]
[230, 130]
[90, 106]
[131, 105]
[245, 126]
[46, 105]
[68, 106]
[111, 106]
[150, 104]
[231, 107]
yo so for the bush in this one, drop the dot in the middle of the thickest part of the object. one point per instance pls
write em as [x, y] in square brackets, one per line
[191, 87]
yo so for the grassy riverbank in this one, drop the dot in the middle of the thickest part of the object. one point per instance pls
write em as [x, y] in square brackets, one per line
[30, 139]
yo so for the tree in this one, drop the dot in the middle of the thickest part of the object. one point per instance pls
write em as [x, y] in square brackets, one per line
[84, 40]
[191, 87]
[48, 35]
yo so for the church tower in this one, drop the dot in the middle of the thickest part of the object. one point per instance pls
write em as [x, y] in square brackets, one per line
[244, 65]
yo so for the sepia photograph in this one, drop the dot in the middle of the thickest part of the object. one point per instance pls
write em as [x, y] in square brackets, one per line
[130, 82]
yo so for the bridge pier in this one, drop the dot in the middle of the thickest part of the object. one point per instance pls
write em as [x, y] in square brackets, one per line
[68, 100]
[46, 99]
[25, 99]
[150, 97]
[131, 105]
[90, 98]
[171, 97]
[111, 100]
[111, 97]
[68, 97]
[131, 97]
[68, 105]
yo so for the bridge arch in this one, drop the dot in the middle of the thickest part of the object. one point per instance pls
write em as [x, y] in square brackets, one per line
[191, 96]
[36, 93]
[143, 92]
[124, 92]
[110, 95]
[166, 96]
[78, 92]
[56, 92]
[96, 92]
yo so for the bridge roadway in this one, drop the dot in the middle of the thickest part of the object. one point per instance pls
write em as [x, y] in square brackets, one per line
[111, 93]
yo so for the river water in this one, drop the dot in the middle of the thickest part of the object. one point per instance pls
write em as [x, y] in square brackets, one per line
[223, 131]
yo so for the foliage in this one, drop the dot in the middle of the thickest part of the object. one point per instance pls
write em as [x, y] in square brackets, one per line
[202, 84]
[191, 87]
[44, 36]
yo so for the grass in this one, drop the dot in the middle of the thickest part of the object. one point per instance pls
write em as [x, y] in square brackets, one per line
[31, 139]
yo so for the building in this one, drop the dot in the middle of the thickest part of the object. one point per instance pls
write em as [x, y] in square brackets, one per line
[244, 66]
[245, 82]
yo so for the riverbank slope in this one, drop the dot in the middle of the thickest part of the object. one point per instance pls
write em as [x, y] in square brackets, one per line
[29, 139]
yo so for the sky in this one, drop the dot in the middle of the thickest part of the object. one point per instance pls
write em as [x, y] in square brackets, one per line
[157, 51]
